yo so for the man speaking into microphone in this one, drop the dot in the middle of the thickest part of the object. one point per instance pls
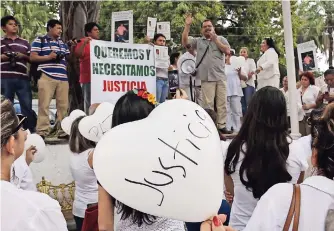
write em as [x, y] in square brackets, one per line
[210, 68]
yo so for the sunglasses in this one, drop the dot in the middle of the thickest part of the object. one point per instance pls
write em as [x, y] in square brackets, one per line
[22, 123]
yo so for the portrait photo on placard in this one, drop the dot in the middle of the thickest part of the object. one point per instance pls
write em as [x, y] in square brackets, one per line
[122, 31]
[308, 61]
[122, 26]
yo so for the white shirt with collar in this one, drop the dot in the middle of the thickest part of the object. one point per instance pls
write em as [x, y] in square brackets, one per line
[244, 202]
[310, 96]
[29, 211]
[301, 113]
[270, 74]
[317, 197]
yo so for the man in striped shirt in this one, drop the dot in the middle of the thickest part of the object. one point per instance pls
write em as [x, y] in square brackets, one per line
[51, 52]
[14, 79]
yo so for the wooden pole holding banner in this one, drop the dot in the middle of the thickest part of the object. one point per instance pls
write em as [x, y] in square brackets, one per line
[290, 60]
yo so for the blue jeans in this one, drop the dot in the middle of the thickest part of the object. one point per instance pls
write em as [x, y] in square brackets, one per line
[22, 89]
[162, 90]
[224, 209]
[248, 93]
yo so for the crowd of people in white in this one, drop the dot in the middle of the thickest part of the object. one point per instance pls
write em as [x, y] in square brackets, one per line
[262, 163]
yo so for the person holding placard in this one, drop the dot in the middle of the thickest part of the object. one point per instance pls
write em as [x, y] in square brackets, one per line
[268, 65]
[210, 65]
[82, 51]
[161, 73]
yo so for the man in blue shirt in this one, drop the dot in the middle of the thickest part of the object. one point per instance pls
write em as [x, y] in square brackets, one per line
[50, 52]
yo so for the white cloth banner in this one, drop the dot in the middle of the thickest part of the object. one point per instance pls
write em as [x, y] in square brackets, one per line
[164, 28]
[307, 56]
[120, 67]
[151, 24]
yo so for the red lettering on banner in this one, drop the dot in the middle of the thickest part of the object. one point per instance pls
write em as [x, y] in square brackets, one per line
[122, 86]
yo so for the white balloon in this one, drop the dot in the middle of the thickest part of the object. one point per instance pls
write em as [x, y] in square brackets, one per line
[172, 160]
[237, 62]
[37, 141]
[66, 123]
[94, 126]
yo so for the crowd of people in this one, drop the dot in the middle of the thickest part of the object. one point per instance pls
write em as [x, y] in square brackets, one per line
[264, 168]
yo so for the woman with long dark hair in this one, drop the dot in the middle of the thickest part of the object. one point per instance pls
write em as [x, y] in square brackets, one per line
[131, 107]
[261, 155]
[268, 66]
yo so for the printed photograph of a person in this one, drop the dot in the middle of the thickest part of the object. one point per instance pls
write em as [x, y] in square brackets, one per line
[122, 31]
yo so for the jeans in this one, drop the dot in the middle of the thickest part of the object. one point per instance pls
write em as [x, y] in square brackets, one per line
[224, 209]
[78, 222]
[234, 113]
[22, 89]
[248, 93]
[86, 96]
[162, 89]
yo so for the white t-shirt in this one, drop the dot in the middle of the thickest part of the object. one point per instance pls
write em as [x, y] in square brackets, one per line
[23, 177]
[244, 203]
[233, 81]
[310, 96]
[317, 197]
[29, 211]
[301, 113]
[86, 188]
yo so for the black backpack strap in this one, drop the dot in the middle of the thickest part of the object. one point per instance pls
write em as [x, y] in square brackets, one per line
[206, 51]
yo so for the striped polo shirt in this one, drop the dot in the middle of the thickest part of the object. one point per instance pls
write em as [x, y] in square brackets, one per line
[16, 45]
[53, 69]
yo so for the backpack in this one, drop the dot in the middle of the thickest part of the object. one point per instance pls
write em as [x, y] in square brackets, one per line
[34, 74]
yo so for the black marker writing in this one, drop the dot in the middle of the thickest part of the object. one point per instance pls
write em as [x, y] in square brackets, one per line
[177, 151]
[96, 130]
[164, 184]
[176, 166]
[196, 135]
[203, 117]
[162, 194]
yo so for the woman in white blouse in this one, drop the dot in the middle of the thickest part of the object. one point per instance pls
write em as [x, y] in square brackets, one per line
[234, 94]
[261, 155]
[268, 65]
[20, 209]
[249, 89]
[309, 94]
[317, 192]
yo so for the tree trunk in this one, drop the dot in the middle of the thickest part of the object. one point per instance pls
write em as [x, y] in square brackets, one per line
[74, 15]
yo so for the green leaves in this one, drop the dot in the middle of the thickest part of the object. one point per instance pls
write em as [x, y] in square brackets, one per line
[32, 16]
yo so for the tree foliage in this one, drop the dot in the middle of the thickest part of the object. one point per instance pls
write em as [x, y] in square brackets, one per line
[32, 15]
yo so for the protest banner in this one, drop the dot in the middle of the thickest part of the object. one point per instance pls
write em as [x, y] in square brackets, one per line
[119, 67]
[122, 26]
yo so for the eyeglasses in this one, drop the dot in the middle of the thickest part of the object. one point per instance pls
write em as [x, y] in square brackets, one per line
[22, 123]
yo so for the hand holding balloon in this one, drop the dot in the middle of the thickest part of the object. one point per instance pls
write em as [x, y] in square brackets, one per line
[30, 154]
